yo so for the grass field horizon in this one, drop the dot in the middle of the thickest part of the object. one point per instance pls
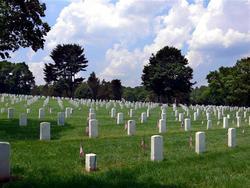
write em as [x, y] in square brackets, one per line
[120, 159]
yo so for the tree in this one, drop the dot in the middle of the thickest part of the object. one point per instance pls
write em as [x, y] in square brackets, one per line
[21, 25]
[116, 89]
[168, 75]
[16, 78]
[230, 85]
[93, 83]
[69, 59]
[83, 91]
[104, 91]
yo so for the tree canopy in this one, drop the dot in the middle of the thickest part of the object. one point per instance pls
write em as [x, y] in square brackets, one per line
[21, 25]
[15, 78]
[168, 75]
[69, 59]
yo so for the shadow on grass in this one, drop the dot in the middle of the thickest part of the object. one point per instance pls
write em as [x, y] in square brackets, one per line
[112, 178]
[11, 131]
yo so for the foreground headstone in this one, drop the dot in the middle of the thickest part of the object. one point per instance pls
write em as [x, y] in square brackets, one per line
[131, 127]
[231, 137]
[119, 118]
[4, 161]
[22, 120]
[10, 113]
[93, 128]
[45, 131]
[225, 122]
[156, 148]
[90, 162]
[162, 126]
[60, 118]
[187, 124]
[200, 145]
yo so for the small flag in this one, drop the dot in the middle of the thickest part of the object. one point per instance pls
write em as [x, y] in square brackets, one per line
[190, 141]
[81, 151]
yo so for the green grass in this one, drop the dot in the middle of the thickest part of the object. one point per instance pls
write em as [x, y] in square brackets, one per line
[121, 161]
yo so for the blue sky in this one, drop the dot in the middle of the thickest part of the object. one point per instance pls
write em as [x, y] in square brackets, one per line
[119, 36]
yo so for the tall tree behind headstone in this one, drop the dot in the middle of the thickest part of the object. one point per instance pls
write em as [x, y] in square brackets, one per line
[168, 75]
[93, 83]
[116, 89]
[69, 59]
[21, 25]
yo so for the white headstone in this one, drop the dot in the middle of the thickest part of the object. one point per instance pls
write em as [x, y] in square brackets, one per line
[231, 137]
[187, 124]
[200, 145]
[131, 113]
[209, 124]
[23, 120]
[10, 113]
[156, 148]
[119, 118]
[4, 161]
[45, 131]
[60, 118]
[113, 113]
[90, 162]
[238, 121]
[131, 127]
[41, 113]
[93, 128]
[92, 116]
[162, 126]
[225, 122]
[143, 117]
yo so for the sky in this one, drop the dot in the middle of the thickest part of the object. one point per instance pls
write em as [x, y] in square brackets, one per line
[119, 36]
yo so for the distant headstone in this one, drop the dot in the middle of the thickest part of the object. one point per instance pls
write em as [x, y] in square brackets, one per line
[23, 120]
[225, 122]
[187, 124]
[162, 126]
[10, 113]
[93, 128]
[60, 118]
[231, 137]
[143, 117]
[209, 124]
[131, 127]
[41, 113]
[119, 118]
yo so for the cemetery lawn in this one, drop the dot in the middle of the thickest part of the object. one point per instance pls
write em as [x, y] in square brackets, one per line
[121, 160]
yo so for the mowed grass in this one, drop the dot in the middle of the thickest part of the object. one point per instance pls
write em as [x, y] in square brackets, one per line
[121, 161]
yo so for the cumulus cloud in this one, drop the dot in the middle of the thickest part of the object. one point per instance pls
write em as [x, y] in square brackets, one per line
[37, 69]
[126, 32]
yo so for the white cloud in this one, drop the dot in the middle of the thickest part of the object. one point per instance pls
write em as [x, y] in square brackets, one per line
[207, 35]
[37, 69]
